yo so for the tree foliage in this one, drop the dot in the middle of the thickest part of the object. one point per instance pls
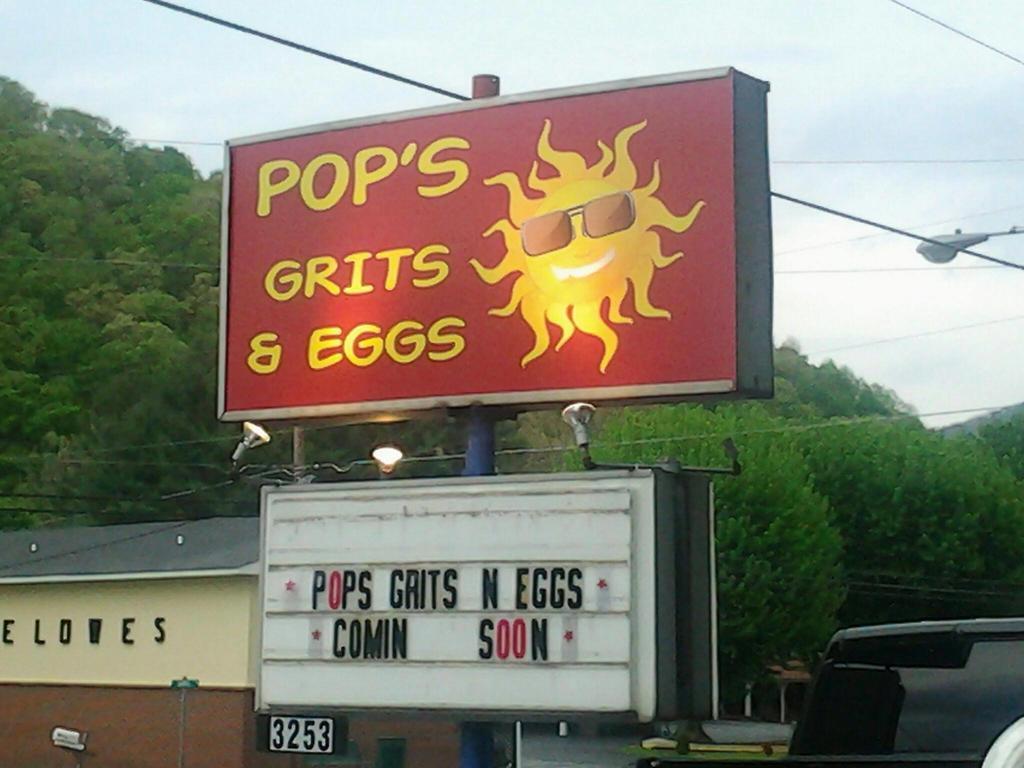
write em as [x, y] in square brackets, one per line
[803, 390]
[1006, 439]
[109, 258]
[931, 526]
[779, 579]
[848, 511]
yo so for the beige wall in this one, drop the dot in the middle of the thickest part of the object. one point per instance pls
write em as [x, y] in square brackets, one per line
[208, 626]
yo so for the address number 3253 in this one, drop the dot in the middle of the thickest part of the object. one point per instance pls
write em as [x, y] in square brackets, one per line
[301, 734]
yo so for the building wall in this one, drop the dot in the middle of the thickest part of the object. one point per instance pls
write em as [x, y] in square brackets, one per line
[152, 631]
[128, 727]
[146, 728]
[119, 692]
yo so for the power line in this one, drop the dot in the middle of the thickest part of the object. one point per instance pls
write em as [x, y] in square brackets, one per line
[894, 230]
[811, 162]
[781, 429]
[37, 457]
[169, 443]
[889, 234]
[895, 576]
[163, 497]
[214, 267]
[823, 424]
[918, 335]
[906, 161]
[307, 49]
[101, 510]
[901, 588]
[162, 444]
[184, 142]
[956, 31]
[116, 262]
[882, 591]
[934, 269]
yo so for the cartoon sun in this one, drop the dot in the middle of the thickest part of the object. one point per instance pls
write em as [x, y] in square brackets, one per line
[586, 241]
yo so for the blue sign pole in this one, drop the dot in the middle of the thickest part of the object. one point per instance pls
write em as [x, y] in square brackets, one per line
[476, 745]
[479, 445]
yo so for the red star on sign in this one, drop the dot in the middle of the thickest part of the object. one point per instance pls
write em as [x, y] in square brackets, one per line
[602, 584]
[568, 636]
[316, 634]
[289, 585]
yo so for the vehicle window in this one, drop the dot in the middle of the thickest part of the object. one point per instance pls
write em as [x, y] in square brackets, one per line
[957, 710]
[867, 709]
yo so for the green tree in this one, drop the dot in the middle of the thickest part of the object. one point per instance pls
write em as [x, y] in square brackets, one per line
[931, 526]
[779, 578]
[1006, 439]
[109, 259]
[803, 390]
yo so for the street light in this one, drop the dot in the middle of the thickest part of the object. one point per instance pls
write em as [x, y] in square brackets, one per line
[958, 241]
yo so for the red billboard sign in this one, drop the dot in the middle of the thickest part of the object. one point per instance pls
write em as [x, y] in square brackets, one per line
[609, 242]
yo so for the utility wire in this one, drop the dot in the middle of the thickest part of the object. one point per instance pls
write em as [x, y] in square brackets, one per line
[896, 576]
[307, 49]
[908, 161]
[215, 267]
[823, 424]
[889, 594]
[116, 262]
[956, 31]
[187, 143]
[37, 457]
[934, 270]
[781, 429]
[959, 219]
[898, 588]
[71, 497]
[100, 510]
[826, 162]
[894, 230]
[810, 426]
[918, 335]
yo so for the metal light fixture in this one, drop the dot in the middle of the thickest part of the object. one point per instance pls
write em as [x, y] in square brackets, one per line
[578, 416]
[253, 436]
[387, 457]
[958, 241]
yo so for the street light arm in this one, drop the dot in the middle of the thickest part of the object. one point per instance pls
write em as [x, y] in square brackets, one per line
[1016, 230]
[887, 228]
[942, 249]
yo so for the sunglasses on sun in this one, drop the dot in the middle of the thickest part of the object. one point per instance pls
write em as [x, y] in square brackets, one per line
[601, 216]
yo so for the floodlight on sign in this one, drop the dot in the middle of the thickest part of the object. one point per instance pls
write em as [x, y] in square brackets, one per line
[253, 436]
[387, 457]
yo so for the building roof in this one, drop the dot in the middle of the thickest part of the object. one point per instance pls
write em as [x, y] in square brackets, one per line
[214, 546]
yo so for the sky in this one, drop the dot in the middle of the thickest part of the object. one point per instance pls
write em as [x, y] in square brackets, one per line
[851, 80]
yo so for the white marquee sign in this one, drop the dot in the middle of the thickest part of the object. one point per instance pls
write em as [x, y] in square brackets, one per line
[530, 593]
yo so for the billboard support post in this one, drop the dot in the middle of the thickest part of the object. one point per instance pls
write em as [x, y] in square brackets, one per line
[476, 747]
[476, 739]
[479, 444]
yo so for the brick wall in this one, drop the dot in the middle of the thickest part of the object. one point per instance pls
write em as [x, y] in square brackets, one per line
[140, 728]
